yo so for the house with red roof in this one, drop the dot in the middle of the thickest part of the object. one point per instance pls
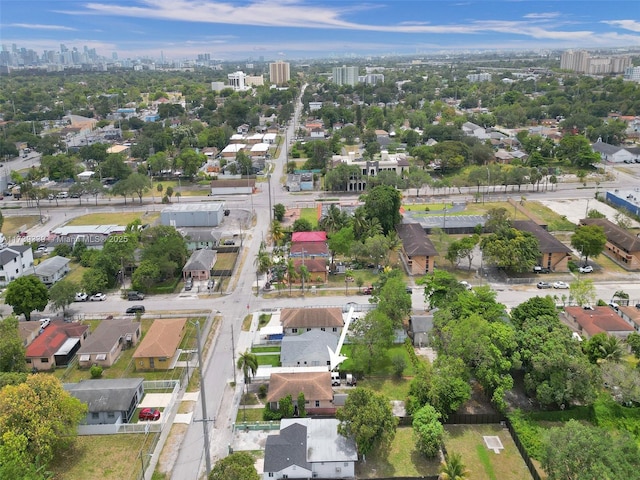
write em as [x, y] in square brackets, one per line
[309, 244]
[56, 345]
[594, 320]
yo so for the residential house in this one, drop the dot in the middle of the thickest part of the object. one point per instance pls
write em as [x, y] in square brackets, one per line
[15, 261]
[418, 252]
[52, 269]
[200, 264]
[383, 138]
[396, 162]
[309, 244]
[631, 315]
[56, 345]
[612, 153]
[316, 387]
[590, 322]
[473, 130]
[554, 254]
[231, 150]
[107, 341]
[299, 320]
[419, 328]
[28, 332]
[200, 238]
[308, 349]
[622, 246]
[317, 268]
[108, 400]
[159, 350]
[309, 448]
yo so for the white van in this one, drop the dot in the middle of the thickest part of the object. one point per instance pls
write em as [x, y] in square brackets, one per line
[335, 379]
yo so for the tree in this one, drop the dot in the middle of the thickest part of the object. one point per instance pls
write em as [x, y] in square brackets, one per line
[301, 402]
[43, 413]
[277, 233]
[533, 308]
[164, 246]
[236, 466]
[138, 183]
[453, 469]
[383, 202]
[26, 294]
[12, 350]
[449, 388]
[248, 363]
[340, 242]
[371, 336]
[577, 150]
[145, 276]
[602, 347]
[589, 240]
[302, 225]
[94, 280]
[367, 418]
[440, 287]
[428, 431]
[291, 273]
[623, 381]
[394, 302]
[633, 340]
[278, 211]
[582, 291]
[577, 451]
[62, 294]
[511, 249]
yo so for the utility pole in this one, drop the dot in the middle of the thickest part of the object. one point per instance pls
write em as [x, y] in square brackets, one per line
[270, 208]
[233, 355]
[205, 419]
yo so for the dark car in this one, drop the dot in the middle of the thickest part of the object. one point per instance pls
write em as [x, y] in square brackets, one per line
[135, 309]
[133, 295]
[149, 414]
[544, 285]
[539, 269]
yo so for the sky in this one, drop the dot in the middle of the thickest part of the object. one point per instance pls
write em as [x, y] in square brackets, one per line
[299, 29]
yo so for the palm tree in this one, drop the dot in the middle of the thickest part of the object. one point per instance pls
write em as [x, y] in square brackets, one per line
[262, 262]
[277, 234]
[453, 468]
[611, 350]
[304, 275]
[291, 273]
[248, 363]
[333, 220]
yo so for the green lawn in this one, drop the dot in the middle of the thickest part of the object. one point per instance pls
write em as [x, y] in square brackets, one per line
[102, 457]
[401, 460]
[310, 214]
[12, 225]
[120, 218]
[273, 360]
[483, 463]
[265, 349]
[392, 388]
[225, 261]
[249, 415]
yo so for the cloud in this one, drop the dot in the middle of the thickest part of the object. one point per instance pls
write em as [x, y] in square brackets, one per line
[542, 16]
[632, 25]
[36, 26]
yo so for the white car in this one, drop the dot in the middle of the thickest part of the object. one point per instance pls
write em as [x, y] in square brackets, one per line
[466, 284]
[586, 269]
[81, 297]
[561, 285]
[98, 297]
[44, 323]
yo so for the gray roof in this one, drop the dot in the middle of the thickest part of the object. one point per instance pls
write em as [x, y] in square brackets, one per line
[200, 234]
[287, 448]
[9, 253]
[607, 149]
[312, 344]
[194, 207]
[51, 265]
[107, 334]
[200, 260]
[421, 323]
[415, 241]
[109, 395]
[324, 443]
[548, 243]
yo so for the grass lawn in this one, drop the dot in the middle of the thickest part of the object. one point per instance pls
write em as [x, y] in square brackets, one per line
[421, 207]
[554, 221]
[310, 214]
[273, 360]
[402, 460]
[265, 349]
[483, 463]
[76, 272]
[225, 261]
[102, 457]
[249, 415]
[382, 367]
[121, 218]
[246, 323]
[12, 225]
[392, 388]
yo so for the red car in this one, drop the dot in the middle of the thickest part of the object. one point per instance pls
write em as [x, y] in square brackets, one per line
[149, 414]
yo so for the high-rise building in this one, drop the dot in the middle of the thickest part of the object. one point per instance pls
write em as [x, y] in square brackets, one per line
[582, 62]
[345, 75]
[237, 81]
[632, 74]
[279, 73]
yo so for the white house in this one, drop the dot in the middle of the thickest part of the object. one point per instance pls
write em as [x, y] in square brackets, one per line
[309, 448]
[473, 130]
[15, 261]
[52, 269]
[611, 153]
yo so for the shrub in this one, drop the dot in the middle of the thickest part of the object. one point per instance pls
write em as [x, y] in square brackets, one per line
[96, 371]
[262, 391]
[399, 364]
[270, 415]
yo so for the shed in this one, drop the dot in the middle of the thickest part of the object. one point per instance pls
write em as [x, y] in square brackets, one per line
[208, 214]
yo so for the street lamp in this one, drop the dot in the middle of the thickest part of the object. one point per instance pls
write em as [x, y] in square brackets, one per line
[205, 419]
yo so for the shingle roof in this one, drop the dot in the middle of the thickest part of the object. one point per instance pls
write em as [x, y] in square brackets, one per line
[324, 443]
[53, 337]
[314, 265]
[598, 320]
[602, 147]
[317, 236]
[314, 385]
[548, 243]
[309, 345]
[415, 240]
[286, 449]
[201, 260]
[162, 339]
[51, 266]
[107, 334]
[311, 317]
[309, 249]
[108, 395]
[615, 235]
[9, 253]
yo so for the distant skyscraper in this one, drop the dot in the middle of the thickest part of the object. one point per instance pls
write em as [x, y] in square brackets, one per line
[279, 73]
[345, 75]
[582, 62]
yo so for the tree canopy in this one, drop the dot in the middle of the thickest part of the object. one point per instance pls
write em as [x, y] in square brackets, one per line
[237, 466]
[26, 294]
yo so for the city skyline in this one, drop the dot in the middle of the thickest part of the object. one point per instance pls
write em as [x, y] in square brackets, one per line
[297, 29]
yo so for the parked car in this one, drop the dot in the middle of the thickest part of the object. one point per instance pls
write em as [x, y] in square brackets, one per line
[638, 306]
[135, 309]
[561, 285]
[133, 295]
[22, 234]
[44, 323]
[466, 284]
[149, 414]
[539, 269]
[210, 284]
[63, 195]
[586, 269]
[81, 297]
[188, 285]
[614, 305]
[542, 285]
[98, 297]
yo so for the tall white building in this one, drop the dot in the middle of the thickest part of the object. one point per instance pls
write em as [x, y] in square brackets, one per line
[479, 77]
[345, 75]
[632, 74]
[581, 62]
[237, 81]
[279, 72]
